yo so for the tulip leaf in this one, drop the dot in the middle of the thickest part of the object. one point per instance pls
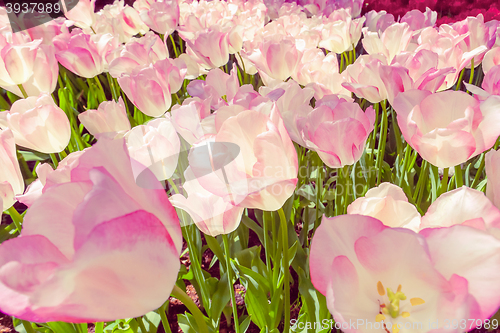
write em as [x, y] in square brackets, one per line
[34, 156]
[221, 297]
[151, 321]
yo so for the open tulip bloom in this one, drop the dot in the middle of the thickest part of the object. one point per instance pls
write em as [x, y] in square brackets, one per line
[250, 166]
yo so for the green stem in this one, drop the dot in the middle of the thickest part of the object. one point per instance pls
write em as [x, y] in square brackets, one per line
[267, 248]
[16, 218]
[188, 302]
[347, 187]
[99, 327]
[27, 326]
[471, 71]
[382, 142]
[286, 283]
[163, 316]
[444, 182]
[421, 178]
[459, 179]
[319, 187]
[25, 94]
[54, 160]
[230, 282]
[174, 46]
[479, 172]
[102, 95]
[460, 79]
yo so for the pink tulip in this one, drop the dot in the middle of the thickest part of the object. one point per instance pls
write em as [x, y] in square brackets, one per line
[162, 17]
[82, 13]
[210, 47]
[491, 59]
[392, 276]
[88, 267]
[211, 214]
[17, 60]
[263, 175]
[83, 54]
[277, 57]
[378, 21]
[337, 131]
[11, 179]
[490, 85]
[44, 75]
[138, 52]
[110, 117]
[418, 20]
[464, 206]
[38, 123]
[187, 119]
[364, 79]
[156, 146]
[492, 159]
[389, 204]
[394, 40]
[49, 30]
[34, 190]
[340, 32]
[449, 127]
[150, 88]
[119, 20]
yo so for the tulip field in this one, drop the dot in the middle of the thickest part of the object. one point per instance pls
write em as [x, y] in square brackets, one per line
[249, 166]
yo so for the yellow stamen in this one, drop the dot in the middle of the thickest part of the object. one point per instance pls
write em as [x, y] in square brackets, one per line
[399, 288]
[405, 314]
[379, 318]
[380, 288]
[396, 329]
[416, 301]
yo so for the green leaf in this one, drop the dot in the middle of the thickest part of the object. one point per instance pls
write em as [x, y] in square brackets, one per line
[151, 321]
[221, 297]
[34, 156]
[245, 323]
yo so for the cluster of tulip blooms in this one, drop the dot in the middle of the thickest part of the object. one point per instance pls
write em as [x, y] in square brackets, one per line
[361, 152]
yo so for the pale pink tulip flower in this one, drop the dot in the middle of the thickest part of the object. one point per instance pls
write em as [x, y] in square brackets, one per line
[491, 59]
[394, 40]
[390, 278]
[461, 129]
[378, 21]
[263, 172]
[150, 88]
[155, 145]
[389, 204]
[187, 119]
[110, 117]
[34, 190]
[67, 269]
[138, 52]
[11, 179]
[84, 54]
[418, 20]
[464, 206]
[162, 16]
[38, 123]
[340, 32]
[211, 214]
[81, 13]
[490, 85]
[210, 47]
[17, 60]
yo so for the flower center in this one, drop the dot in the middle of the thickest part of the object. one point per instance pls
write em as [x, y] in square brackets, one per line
[393, 307]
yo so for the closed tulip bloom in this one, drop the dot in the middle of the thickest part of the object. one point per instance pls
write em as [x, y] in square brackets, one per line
[491, 59]
[150, 88]
[340, 32]
[138, 52]
[277, 56]
[210, 47]
[85, 267]
[82, 13]
[418, 20]
[11, 179]
[364, 78]
[449, 127]
[389, 204]
[17, 60]
[110, 117]
[396, 277]
[394, 40]
[84, 54]
[337, 131]
[211, 214]
[155, 145]
[263, 174]
[492, 166]
[162, 17]
[378, 21]
[38, 124]
[464, 206]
